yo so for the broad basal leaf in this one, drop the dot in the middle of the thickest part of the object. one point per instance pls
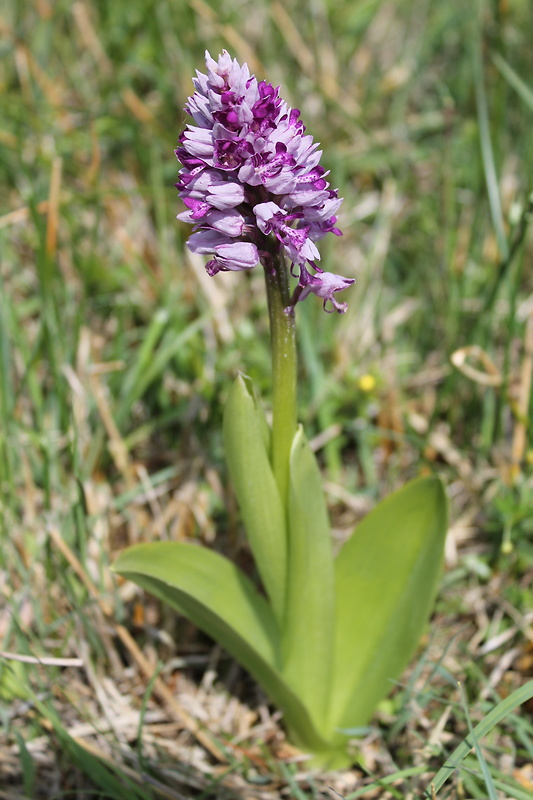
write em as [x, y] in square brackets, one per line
[247, 453]
[308, 634]
[217, 597]
[386, 578]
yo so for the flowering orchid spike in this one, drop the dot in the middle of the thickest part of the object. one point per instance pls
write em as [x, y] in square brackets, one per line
[251, 177]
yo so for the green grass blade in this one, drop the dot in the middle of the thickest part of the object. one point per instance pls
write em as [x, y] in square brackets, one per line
[134, 379]
[494, 717]
[6, 398]
[491, 789]
[514, 80]
[105, 775]
[386, 781]
[28, 767]
[513, 791]
[156, 353]
[487, 152]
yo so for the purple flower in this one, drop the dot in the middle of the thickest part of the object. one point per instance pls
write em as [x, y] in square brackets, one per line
[250, 176]
[324, 285]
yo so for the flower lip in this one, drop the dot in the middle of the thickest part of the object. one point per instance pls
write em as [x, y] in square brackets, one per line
[324, 285]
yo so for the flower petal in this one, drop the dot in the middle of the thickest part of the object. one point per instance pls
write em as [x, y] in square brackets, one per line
[324, 285]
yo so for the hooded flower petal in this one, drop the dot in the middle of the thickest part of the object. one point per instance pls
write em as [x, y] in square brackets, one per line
[227, 221]
[207, 241]
[233, 257]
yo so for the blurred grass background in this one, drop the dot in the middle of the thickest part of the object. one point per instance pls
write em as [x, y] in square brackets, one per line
[117, 351]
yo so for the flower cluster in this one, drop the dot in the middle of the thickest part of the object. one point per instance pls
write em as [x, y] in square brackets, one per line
[250, 175]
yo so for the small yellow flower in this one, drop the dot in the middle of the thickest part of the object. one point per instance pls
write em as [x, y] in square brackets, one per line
[367, 383]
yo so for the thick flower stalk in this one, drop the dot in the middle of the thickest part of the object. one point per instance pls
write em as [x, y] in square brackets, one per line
[251, 177]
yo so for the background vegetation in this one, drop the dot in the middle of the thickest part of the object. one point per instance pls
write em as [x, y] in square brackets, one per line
[117, 351]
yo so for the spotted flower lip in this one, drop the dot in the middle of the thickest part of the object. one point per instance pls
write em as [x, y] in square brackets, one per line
[251, 175]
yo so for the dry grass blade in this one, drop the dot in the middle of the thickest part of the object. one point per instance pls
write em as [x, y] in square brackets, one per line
[522, 424]
[160, 689]
[489, 376]
[166, 696]
[45, 661]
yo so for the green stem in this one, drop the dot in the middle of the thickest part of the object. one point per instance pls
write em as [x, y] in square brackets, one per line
[283, 338]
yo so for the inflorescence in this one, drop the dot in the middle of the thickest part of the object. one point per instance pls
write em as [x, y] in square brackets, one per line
[250, 173]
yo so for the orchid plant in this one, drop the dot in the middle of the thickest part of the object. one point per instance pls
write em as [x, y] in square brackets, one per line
[323, 635]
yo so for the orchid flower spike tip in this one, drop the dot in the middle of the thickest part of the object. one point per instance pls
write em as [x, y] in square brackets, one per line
[251, 176]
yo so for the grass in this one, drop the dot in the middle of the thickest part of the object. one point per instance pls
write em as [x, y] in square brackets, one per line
[116, 355]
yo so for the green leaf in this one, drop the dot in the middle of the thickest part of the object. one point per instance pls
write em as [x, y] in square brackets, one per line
[386, 579]
[308, 633]
[208, 589]
[246, 445]
[217, 597]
